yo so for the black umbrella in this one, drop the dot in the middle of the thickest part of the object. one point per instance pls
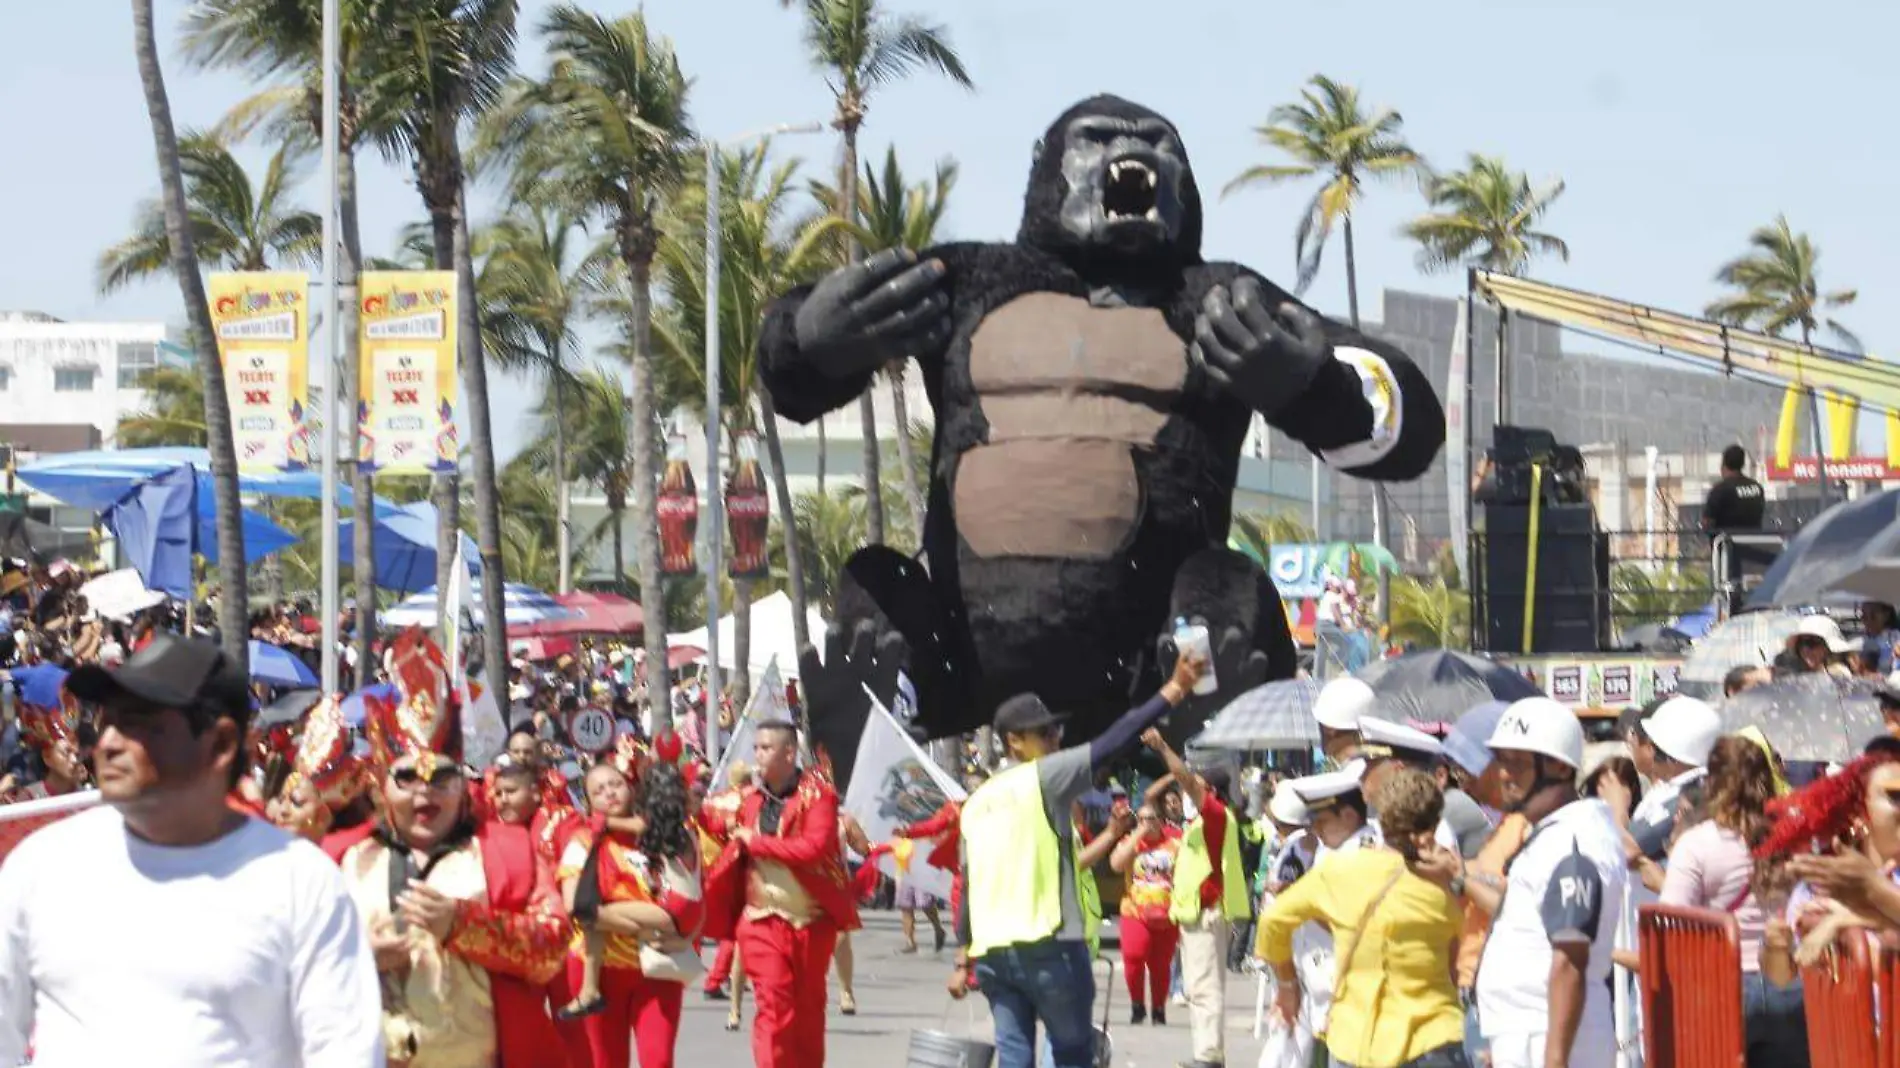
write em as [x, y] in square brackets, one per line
[1808, 717]
[288, 708]
[1834, 545]
[1439, 686]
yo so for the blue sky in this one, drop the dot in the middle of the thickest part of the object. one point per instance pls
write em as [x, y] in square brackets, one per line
[1677, 126]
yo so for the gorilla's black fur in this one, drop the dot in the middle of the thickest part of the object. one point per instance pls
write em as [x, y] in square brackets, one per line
[971, 629]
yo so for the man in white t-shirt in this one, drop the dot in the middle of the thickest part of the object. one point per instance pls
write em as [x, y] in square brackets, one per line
[1543, 982]
[164, 927]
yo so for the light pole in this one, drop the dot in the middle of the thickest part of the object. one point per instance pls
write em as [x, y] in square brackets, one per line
[715, 510]
[332, 320]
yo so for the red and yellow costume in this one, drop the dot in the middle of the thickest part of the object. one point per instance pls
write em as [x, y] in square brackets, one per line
[1149, 937]
[45, 729]
[786, 897]
[718, 813]
[477, 997]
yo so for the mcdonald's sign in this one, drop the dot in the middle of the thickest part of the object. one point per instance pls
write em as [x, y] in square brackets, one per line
[1841, 415]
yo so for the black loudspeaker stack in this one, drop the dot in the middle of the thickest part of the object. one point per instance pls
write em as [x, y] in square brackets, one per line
[1571, 608]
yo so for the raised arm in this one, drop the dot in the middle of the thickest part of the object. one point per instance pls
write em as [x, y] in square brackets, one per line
[820, 345]
[1113, 744]
[1360, 405]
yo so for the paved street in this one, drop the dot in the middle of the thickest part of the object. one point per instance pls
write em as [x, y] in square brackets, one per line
[898, 994]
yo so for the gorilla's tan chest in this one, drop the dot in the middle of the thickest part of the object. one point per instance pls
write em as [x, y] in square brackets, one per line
[1068, 391]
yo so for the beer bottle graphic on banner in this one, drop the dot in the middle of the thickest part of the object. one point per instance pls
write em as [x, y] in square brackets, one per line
[679, 511]
[748, 510]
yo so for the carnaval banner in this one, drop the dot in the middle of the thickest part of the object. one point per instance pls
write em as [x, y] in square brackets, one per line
[748, 512]
[22, 819]
[484, 730]
[895, 784]
[407, 381]
[264, 342]
[766, 703]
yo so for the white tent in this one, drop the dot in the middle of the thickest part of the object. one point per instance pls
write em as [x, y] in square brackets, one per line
[771, 637]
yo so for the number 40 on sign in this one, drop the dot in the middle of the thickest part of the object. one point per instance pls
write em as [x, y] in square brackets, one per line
[592, 729]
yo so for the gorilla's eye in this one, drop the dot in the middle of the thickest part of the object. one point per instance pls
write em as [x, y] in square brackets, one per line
[1129, 192]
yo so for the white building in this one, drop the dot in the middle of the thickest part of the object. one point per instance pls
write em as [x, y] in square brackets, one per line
[54, 372]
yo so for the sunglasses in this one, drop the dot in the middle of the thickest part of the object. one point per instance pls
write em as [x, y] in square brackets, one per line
[410, 778]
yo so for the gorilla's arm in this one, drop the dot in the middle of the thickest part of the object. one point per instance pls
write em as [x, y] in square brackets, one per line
[799, 390]
[1358, 403]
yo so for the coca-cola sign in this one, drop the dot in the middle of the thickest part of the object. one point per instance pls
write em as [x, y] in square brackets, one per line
[748, 512]
[679, 511]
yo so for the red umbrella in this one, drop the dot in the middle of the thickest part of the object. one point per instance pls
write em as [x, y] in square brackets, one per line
[599, 613]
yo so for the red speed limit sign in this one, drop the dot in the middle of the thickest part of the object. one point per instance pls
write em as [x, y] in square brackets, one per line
[592, 729]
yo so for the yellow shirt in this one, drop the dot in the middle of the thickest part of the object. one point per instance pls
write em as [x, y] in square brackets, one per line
[1395, 1001]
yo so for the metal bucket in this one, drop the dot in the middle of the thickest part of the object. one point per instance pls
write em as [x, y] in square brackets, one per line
[935, 1049]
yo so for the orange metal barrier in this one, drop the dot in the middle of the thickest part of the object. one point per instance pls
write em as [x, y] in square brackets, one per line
[1887, 987]
[1692, 988]
[1838, 990]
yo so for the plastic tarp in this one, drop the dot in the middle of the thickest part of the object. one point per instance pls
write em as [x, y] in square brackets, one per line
[164, 520]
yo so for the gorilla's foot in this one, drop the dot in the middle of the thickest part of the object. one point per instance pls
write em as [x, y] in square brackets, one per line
[1246, 626]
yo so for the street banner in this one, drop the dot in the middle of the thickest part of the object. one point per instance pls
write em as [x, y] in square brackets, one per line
[407, 380]
[263, 328]
[766, 703]
[22, 819]
[679, 511]
[894, 784]
[748, 512]
[484, 733]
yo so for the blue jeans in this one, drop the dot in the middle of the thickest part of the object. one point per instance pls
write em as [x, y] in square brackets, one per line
[1050, 982]
[1475, 1047]
[1775, 1022]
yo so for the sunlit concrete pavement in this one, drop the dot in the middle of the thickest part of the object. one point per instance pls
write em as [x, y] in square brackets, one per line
[899, 993]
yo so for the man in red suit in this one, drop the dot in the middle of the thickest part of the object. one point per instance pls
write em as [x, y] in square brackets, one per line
[781, 887]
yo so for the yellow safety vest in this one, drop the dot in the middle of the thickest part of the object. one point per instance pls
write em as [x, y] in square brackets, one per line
[1192, 866]
[1013, 878]
[1090, 897]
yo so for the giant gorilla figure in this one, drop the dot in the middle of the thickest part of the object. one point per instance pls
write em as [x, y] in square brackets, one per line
[1093, 384]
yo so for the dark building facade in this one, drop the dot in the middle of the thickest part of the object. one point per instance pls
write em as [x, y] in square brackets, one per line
[1583, 398]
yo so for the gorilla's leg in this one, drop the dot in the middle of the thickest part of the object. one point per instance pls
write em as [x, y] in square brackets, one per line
[886, 620]
[1246, 625]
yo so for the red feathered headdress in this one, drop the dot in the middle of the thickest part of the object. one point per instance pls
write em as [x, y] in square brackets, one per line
[1823, 810]
[323, 758]
[43, 728]
[425, 720]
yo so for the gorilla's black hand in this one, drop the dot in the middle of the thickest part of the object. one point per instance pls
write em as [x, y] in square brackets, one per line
[1265, 358]
[1238, 667]
[862, 316]
[835, 697]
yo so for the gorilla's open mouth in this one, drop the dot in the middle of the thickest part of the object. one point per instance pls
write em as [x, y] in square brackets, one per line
[1129, 192]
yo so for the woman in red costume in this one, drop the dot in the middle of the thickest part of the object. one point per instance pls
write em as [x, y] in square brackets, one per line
[641, 890]
[51, 730]
[324, 777]
[465, 920]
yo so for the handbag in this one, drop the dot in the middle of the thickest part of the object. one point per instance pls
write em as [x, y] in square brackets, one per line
[670, 961]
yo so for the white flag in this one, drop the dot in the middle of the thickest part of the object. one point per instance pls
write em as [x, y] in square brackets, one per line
[767, 703]
[894, 784]
[484, 732]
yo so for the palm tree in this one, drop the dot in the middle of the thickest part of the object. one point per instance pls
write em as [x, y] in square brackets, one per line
[1430, 613]
[1331, 136]
[174, 412]
[899, 214]
[280, 42]
[1257, 534]
[233, 599]
[1484, 219]
[438, 65]
[594, 423]
[758, 261]
[236, 226]
[1776, 288]
[534, 281]
[607, 134]
[861, 47]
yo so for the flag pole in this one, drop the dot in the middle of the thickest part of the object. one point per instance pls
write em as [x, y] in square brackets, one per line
[332, 319]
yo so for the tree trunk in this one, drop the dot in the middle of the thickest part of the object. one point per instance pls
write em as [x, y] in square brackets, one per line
[739, 679]
[906, 461]
[272, 572]
[1352, 277]
[788, 519]
[646, 481]
[562, 532]
[618, 514]
[823, 449]
[233, 576]
[867, 410]
[487, 493]
[362, 482]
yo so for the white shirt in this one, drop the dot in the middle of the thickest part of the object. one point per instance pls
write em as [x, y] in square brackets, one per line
[1565, 885]
[1313, 941]
[242, 952]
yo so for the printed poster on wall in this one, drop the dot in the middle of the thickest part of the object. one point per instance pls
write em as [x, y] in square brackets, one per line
[264, 344]
[407, 330]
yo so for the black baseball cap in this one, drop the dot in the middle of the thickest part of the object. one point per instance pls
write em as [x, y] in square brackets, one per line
[190, 674]
[1024, 714]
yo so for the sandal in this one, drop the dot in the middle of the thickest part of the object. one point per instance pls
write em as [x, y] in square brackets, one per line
[848, 1003]
[577, 1010]
[732, 1021]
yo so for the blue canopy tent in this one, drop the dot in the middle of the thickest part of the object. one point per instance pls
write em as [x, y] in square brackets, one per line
[405, 547]
[102, 478]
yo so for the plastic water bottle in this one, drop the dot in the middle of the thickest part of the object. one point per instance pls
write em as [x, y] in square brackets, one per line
[1190, 638]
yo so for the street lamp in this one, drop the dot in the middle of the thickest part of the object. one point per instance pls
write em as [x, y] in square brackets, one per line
[332, 319]
[715, 530]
